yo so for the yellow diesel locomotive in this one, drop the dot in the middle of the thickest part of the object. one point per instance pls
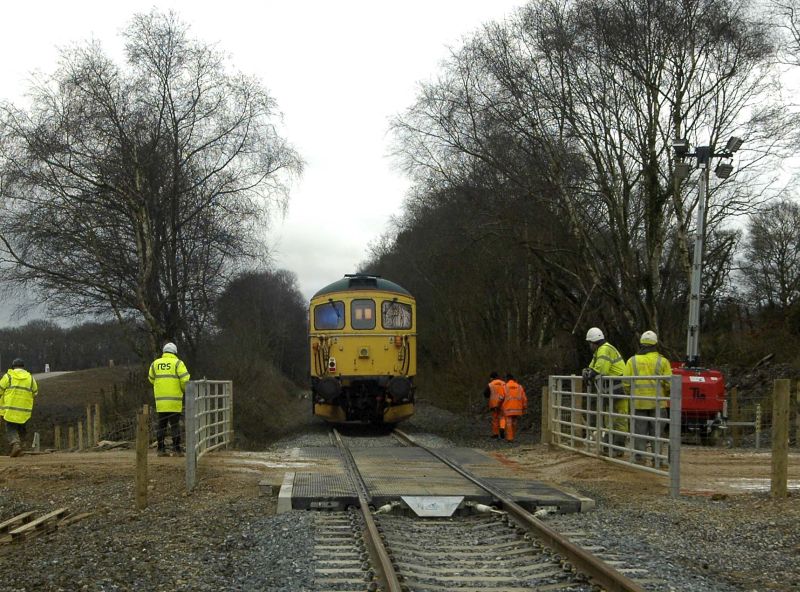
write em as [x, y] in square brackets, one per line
[363, 340]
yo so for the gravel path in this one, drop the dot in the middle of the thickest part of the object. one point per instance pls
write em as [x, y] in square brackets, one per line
[211, 540]
[225, 535]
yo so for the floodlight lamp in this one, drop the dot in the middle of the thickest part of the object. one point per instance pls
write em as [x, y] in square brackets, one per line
[734, 143]
[723, 170]
[682, 170]
[680, 146]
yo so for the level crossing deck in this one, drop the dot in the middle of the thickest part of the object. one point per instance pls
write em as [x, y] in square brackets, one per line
[393, 472]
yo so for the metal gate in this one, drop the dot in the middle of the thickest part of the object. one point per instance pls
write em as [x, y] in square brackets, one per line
[609, 419]
[209, 421]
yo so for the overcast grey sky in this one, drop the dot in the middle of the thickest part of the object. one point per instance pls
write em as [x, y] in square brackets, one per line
[339, 71]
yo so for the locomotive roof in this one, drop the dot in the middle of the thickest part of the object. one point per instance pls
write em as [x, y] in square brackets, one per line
[358, 281]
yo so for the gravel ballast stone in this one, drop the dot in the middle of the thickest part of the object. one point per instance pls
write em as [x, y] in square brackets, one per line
[224, 535]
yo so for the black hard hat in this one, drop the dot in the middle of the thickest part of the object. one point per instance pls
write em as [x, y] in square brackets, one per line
[17, 363]
[493, 375]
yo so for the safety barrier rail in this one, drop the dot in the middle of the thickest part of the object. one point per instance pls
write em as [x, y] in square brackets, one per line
[611, 419]
[209, 421]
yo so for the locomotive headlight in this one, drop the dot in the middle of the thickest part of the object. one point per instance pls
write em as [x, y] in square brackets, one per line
[398, 341]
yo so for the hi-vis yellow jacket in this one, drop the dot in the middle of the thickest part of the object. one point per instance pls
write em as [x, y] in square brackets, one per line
[607, 361]
[649, 364]
[17, 391]
[169, 376]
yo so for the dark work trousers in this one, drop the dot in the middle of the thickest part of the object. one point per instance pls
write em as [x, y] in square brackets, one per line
[173, 418]
[15, 432]
[649, 426]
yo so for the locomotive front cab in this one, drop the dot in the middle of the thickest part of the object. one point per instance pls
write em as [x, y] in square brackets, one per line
[363, 351]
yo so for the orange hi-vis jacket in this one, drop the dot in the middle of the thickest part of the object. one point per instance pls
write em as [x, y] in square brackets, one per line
[516, 402]
[497, 392]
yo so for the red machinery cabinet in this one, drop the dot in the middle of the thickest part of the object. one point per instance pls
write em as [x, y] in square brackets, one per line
[703, 398]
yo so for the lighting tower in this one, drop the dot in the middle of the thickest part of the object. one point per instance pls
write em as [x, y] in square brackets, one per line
[704, 156]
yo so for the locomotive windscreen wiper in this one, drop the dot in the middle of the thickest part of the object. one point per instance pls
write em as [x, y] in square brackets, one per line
[335, 308]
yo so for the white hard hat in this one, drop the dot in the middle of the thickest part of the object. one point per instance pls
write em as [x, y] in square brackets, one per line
[648, 338]
[170, 348]
[594, 334]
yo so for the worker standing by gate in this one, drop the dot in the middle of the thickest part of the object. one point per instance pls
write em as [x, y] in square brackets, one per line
[648, 416]
[169, 376]
[514, 406]
[18, 389]
[608, 362]
[495, 392]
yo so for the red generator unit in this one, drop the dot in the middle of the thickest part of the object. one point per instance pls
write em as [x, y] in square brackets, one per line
[702, 402]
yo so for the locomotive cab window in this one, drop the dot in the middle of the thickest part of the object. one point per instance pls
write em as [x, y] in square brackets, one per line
[329, 315]
[395, 315]
[362, 314]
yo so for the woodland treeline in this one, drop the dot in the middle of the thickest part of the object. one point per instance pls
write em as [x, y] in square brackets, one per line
[260, 320]
[138, 190]
[545, 201]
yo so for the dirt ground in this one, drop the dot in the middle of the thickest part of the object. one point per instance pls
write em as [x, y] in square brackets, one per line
[724, 492]
[704, 471]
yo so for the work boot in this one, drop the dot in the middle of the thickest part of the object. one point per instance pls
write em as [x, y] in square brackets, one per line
[177, 452]
[16, 450]
[494, 436]
[162, 452]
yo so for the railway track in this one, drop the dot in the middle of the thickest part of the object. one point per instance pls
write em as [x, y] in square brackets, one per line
[479, 549]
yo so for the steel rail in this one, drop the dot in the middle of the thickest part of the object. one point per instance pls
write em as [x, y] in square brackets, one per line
[385, 569]
[583, 561]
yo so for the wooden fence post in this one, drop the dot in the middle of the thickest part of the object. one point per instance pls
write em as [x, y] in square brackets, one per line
[758, 426]
[797, 415]
[71, 438]
[736, 431]
[80, 435]
[780, 438]
[57, 437]
[97, 434]
[89, 426]
[142, 444]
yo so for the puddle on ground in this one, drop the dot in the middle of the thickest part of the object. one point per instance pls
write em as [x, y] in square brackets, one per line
[753, 484]
[264, 462]
[272, 465]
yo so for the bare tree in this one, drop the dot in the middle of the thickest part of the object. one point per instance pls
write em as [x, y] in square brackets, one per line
[262, 319]
[771, 260]
[785, 15]
[574, 105]
[133, 190]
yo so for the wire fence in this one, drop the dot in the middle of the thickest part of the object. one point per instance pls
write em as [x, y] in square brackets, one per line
[750, 418]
